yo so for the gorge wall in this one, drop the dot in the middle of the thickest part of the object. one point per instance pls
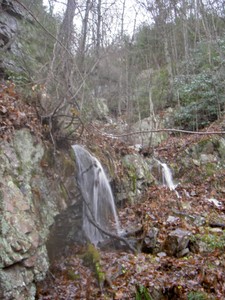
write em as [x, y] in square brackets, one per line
[30, 198]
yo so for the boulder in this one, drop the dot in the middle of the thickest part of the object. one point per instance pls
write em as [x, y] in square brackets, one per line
[148, 138]
[176, 243]
[101, 108]
[12, 13]
[21, 40]
[150, 240]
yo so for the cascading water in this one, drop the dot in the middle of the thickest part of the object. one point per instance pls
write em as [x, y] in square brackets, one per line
[167, 177]
[98, 205]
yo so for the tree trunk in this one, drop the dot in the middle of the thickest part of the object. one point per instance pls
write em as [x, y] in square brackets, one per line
[84, 37]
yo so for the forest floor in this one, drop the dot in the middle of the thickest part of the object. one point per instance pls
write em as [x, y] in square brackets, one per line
[86, 272]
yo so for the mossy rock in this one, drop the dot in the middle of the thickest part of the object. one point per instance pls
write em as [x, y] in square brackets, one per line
[210, 169]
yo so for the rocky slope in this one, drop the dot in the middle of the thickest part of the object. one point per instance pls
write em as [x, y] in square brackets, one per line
[41, 205]
[179, 237]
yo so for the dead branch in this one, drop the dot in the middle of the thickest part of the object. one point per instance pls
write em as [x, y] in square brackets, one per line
[114, 236]
[94, 223]
[164, 130]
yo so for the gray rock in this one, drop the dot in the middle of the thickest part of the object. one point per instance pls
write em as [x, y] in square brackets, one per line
[148, 138]
[176, 243]
[206, 158]
[29, 202]
[139, 177]
[150, 240]
[221, 150]
[161, 254]
[172, 219]
[101, 108]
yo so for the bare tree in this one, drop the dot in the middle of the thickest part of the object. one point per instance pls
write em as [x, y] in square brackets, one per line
[60, 74]
[84, 36]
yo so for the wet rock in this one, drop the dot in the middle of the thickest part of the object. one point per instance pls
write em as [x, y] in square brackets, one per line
[176, 243]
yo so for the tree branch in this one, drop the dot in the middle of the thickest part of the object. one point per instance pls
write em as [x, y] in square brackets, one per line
[94, 223]
[164, 130]
[114, 236]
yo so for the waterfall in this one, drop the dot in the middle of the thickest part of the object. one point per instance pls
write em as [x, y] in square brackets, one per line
[167, 177]
[98, 201]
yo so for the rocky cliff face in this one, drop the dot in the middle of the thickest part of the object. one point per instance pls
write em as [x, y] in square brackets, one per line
[24, 47]
[11, 15]
[29, 201]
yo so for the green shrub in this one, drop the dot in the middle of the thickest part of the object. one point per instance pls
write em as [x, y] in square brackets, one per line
[201, 89]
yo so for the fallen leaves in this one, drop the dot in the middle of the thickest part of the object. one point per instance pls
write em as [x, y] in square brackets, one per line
[15, 113]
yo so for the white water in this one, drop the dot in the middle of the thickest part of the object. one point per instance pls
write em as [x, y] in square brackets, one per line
[167, 177]
[98, 204]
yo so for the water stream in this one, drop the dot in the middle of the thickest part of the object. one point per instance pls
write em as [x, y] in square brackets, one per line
[98, 202]
[167, 177]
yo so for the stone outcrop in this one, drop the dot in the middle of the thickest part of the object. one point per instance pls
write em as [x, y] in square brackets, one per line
[30, 198]
[136, 179]
[11, 14]
[40, 205]
[23, 44]
[202, 160]
[40, 208]
[177, 242]
[148, 138]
